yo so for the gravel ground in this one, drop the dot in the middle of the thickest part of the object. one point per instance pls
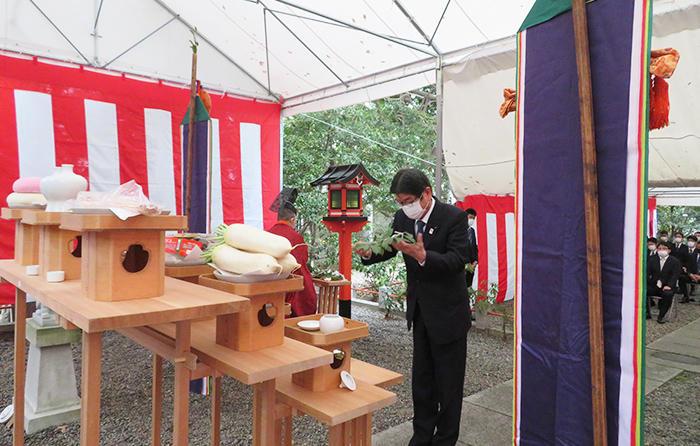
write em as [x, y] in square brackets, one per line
[686, 313]
[673, 412]
[126, 389]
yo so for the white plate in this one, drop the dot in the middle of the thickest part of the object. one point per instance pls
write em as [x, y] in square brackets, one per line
[104, 211]
[247, 278]
[311, 325]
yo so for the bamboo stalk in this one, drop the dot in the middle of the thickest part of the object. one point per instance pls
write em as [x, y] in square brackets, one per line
[590, 188]
[190, 135]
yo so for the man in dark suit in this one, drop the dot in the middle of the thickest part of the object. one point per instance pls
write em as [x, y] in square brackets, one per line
[662, 275]
[680, 251]
[438, 306]
[692, 265]
[472, 248]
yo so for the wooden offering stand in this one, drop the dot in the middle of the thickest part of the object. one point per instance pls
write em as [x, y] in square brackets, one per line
[26, 236]
[59, 249]
[328, 294]
[188, 273]
[326, 378]
[122, 260]
[261, 326]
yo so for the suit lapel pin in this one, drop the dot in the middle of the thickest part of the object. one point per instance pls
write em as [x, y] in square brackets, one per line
[430, 231]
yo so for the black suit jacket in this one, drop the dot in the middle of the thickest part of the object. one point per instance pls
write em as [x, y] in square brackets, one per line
[681, 253]
[439, 286]
[472, 248]
[692, 264]
[668, 276]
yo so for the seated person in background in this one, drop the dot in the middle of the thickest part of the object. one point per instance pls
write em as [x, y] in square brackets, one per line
[697, 235]
[693, 264]
[651, 246]
[680, 251]
[304, 301]
[663, 236]
[662, 275]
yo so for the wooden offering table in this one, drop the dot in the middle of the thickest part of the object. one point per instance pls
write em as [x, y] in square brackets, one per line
[59, 249]
[26, 236]
[180, 303]
[318, 392]
[189, 273]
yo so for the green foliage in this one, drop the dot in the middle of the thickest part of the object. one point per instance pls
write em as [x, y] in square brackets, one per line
[384, 241]
[483, 301]
[685, 219]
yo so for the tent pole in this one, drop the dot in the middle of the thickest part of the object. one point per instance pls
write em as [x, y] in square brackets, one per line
[438, 139]
[590, 190]
[191, 129]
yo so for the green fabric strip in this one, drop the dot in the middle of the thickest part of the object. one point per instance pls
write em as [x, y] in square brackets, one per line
[544, 10]
[200, 113]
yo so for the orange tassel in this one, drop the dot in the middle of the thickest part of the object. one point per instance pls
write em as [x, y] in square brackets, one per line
[659, 106]
[206, 99]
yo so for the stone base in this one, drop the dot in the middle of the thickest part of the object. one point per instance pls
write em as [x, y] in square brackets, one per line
[35, 422]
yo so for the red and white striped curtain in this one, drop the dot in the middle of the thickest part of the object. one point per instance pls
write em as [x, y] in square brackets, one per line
[115, 128]
[495, 237]
[653, 225]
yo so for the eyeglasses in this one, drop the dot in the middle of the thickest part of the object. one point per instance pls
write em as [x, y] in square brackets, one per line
[406, 203]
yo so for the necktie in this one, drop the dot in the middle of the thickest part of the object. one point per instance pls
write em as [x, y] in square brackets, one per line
[420, 227]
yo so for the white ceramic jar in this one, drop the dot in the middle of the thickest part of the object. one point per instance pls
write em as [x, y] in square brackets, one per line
[331, 322]
[61, 186]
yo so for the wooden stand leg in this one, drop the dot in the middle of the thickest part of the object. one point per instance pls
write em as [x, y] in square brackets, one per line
[335, 435]
[156, 400]
[182, 386]
[19, 366]
[90, 398]
[216, 412]
[362, 431]
[264, 413]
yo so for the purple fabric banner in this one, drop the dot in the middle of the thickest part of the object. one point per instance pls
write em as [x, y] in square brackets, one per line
[553, 385]
[200, 176]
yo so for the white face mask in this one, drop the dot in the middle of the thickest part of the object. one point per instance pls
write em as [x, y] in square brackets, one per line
[663, 254]
[652, 247]
[691, 245]
[472, 222]
[678, 240]
[413, 210]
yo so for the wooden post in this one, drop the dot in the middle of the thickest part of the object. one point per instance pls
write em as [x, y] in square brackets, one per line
[264, 413]
[156, 400]
[19, 366]
[590, 188]
[190, 135]
[181, 399]
[216, 412]
[90, 389]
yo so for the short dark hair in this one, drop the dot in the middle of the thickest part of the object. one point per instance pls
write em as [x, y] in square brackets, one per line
[665, 244]
[651, 240]
[663, 232]
[409, 181]
[286, 214]
[678, 233]
[471, 212]
[693, 238]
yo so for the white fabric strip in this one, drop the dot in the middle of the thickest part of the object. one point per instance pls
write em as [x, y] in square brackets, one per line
[159, 157]
[216, 199]
[251, 173]
[35, 141]
[491, 231]
[630, 258]
[103, 145]
[510, 254]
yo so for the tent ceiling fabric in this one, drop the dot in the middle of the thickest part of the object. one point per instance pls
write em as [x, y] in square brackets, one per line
[318, 54]
[479, 146]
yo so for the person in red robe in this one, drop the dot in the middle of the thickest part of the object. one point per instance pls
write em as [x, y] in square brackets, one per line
[304, 301]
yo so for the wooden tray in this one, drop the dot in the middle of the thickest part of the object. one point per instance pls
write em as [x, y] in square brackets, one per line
[180, 272]
[42, 218]
[101, 222]
[353, 330]
[329, 283]
[293, 283]
[16, 214]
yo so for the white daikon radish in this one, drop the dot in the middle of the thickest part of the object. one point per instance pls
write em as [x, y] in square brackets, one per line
[289, 265]
[235, 261]
[252, 239]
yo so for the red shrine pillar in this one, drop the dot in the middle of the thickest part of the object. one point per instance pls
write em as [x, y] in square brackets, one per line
[345, 229]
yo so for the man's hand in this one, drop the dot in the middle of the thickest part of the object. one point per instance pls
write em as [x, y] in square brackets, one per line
[415, 250]
[363, 252]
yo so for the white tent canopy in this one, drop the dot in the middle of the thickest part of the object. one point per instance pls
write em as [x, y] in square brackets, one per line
[479, 145]
[315, 54]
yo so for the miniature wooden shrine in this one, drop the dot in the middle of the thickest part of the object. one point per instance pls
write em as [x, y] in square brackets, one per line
[59, 249]
[262, 325]
[345, 212]
[122, 260]
[26, 236]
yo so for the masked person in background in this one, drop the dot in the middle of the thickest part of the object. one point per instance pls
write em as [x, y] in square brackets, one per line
[437, 304]
[692, 266]
[304, 301]
[472, 248]
[680, 251]
[662, 275]
[663, 236]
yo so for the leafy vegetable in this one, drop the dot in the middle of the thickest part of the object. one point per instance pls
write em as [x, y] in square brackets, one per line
[383, 242]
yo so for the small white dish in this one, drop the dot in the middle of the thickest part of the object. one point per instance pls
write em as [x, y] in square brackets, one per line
[55, 276]
[347, 381]
[31, 270]
[309, 325]
[7, 413]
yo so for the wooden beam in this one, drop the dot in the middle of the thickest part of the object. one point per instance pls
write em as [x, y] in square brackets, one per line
[156, 400]
[216, 412]
[157, 344]
[264, 413]
[90, 389]
[181, 392]
[590, 188]
[19, 366]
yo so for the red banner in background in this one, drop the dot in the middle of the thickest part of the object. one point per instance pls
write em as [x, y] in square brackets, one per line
[114, 128]
[495, 236]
